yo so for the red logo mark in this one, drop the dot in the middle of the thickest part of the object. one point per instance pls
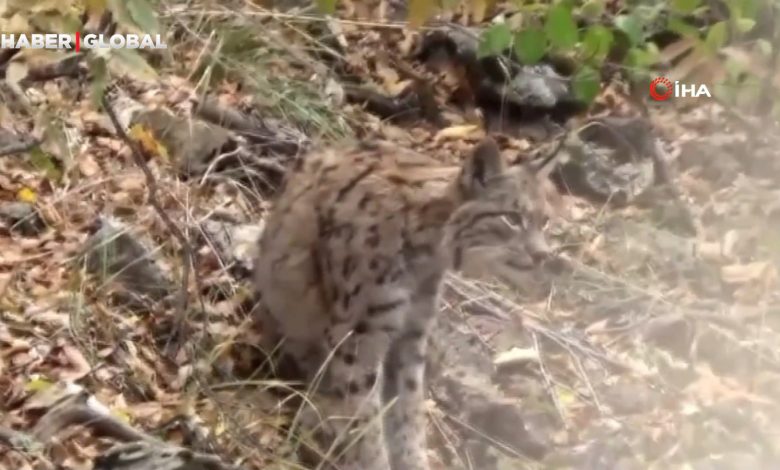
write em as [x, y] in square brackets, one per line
[661, 88]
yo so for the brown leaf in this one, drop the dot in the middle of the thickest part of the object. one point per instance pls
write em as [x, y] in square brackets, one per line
[751, 272]
[80, 365]
[88, 166]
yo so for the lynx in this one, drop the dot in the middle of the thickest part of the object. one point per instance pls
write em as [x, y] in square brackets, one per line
[350, 268]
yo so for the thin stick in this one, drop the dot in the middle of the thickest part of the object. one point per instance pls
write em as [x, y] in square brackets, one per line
[188, 254]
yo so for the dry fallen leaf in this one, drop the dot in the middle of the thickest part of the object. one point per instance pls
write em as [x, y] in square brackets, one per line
[467, 131]
[516, 356]
[744, 273]
[88, 166]
[79, 364]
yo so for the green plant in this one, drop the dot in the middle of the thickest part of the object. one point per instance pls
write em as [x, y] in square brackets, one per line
[591, 34]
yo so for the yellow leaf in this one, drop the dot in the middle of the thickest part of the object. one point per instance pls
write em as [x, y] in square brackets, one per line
[221, 428]
[27, 195]
[148, 142]
[566, 397]
[420, 11]
[38, 385]
[122, 414]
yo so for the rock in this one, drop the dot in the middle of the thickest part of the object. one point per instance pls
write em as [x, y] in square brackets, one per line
[609, 160]
[115, 256]
[192, 143]
[23, 218]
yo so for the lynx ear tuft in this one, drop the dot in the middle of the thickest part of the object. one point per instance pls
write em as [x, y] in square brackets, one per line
[484, 163]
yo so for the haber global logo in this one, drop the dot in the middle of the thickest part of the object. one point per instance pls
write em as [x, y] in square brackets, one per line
[661, 89]
[76, 42]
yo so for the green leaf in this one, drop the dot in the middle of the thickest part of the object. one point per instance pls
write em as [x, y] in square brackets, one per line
[750, 8]
[734, 68]
[717, 36]
[745, 24]
[99, 70]
[725, 91]
[681, 27]
[685, 6]
[586, 84]
[649, 14]
[630, 25]
[560, 27]
[143, 15]
[327, 7]
[120, 12]
[130, 62]
[530, 45]
[640, 60]
[764, 47]
[45, 162]
[592, 9]
[743, 8]
[597, 42]
[494, 40]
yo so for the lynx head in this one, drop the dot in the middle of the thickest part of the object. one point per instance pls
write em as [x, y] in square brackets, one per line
[503, 206]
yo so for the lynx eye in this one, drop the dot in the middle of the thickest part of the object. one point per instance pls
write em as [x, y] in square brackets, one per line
[515, 220]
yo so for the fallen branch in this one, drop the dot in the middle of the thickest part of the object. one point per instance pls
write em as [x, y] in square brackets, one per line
[394, 108]
[142, 456]
[70, 67]
[278, 138]
[138, 450]
[76, 410]
[210, 110]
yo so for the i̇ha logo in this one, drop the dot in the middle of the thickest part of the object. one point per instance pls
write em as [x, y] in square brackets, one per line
[661, 88]
[76, 42]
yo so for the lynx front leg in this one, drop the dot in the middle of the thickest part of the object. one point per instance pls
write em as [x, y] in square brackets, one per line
[354, 407]
[405, 422]
[355, 376]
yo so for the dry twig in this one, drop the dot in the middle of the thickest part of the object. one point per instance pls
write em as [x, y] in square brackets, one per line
[188, 254]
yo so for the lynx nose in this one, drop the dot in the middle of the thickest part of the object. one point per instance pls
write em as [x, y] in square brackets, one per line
[537, 246]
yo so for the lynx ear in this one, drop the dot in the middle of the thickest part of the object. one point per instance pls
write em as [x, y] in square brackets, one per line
[481, 165]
